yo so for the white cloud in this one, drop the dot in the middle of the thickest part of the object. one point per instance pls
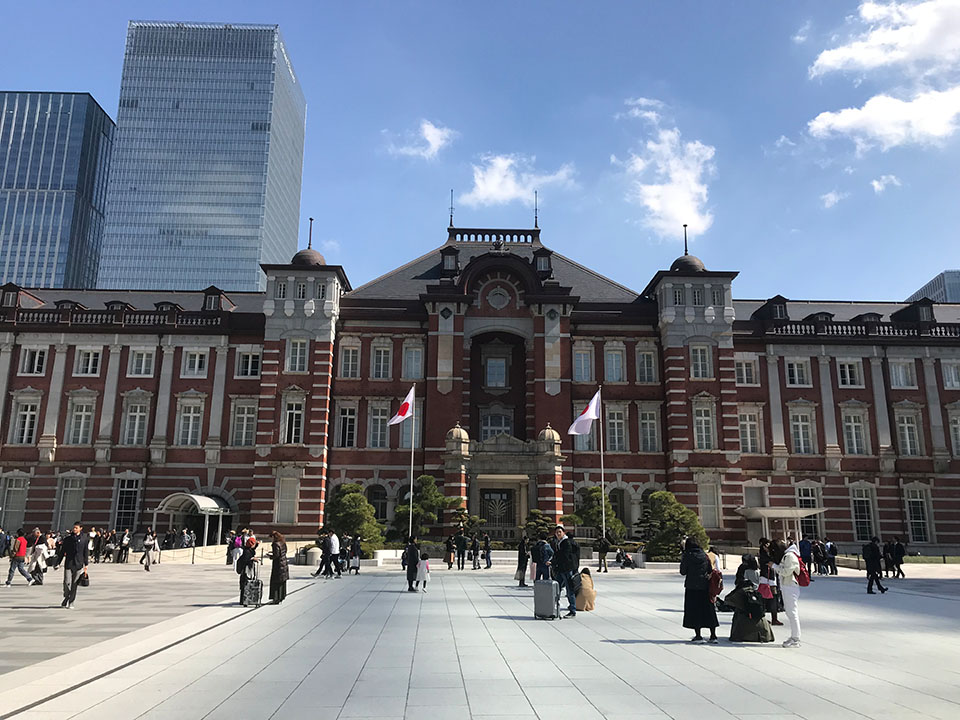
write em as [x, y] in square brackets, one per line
[929, 117]
[832, 198]
[783, 141]
[642, 108]
[918, 37]
[501, 179]
[881, 183]
[803, 33]
[429, 141]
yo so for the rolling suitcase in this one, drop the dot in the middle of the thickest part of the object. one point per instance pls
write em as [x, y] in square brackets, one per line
[546, 600]
[253, 590]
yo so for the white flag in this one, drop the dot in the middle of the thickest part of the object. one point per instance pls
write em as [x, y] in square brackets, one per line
[406, 409]
[583, 423]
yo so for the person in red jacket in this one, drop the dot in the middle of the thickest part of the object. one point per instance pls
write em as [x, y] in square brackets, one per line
[18, 556]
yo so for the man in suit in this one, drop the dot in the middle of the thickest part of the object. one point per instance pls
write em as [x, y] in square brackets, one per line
[74, 553]
[872, 556]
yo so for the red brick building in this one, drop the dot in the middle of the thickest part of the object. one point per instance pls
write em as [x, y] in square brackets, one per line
[133, 408]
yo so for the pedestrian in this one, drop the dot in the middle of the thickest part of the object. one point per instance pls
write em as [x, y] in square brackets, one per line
[246, 565]
[324, 545]
[411, 555]
[587, 597]
[544, 557]
[39, 552]
[334, 557]
[124, 546]
[461, 543]
[872, 557]
[565, 564]
[603, 547]
[806, 551]
[521, 573]
[74, 555]
[819, 561]
[749, 622]
[899, 553]
[228, 539]
[448, 551]
[279, 570]
[698, 611]
[785, 561]
[18, 556]
[769, 588]
[4, 542]
[356, 551]
[486, 550]
[888, 568]
[423, 570]
[831, 553]
[149, 548]
[475, 551]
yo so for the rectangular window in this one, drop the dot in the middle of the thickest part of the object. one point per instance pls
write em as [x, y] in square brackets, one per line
[798, 373]
[495, 423]
[908, 434]
[917, 515]
[717, 297]
[496, 372]
[378, 427]
[350, 362]
[646, 368]
[33, 361]
[190, 418]
[244, 424]
[649, 431]
[854, 434]
[863, 513]
[582, 365]
[413, 362]
[849, 374]
[951, 375]
[212, 302]
[14, 500]
[678, 296]
[701, 367]
[128, 500]
[749, 432]
[746, 372]
[141, 363]
[801, 430]
[71, 502]
[616, 430]
[9, 299]
[25, 427]
[903, 374]
[135, 424]
[955, 434]
[698, 296]
[412, 426]
[297, 355]
[708, 496]
[809, 497]
[321, 291]
[584, 443]
[288, 490]
[381, 363]
[195, 363]
[293, 422]
[88, 363]
[248, 364]
[703, 428]
[280, 291]
[613, 366]
[754, 496]
[301, 291]
[347, 427]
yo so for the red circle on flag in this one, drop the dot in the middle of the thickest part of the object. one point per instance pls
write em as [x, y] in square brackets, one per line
[403, 409]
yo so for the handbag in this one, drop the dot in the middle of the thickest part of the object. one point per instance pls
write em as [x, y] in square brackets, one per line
[765, 592]
[518, 576]
[83, 581]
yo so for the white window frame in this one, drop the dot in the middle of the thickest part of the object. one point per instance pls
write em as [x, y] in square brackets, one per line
[903, 374]
[863, 495]
[21, 401]
[87, 361]
[132, 399]
[31, 358]
[850, 417]
[147, 361]
[243, 420]
[612, 358]
[189, 402]
[287, 500]
[850, 373]
[417, 427]
[413, 355]
[701, 362]
[906, 419]
[583, 363]
[918, 498]
[301, 291]
[716, 297]
[503, 425]
[79, 429]
[616, 427]
[294, 425]
[648, 427]
[588, 441]
[646, 365]
[193, 359]
[954, 428]
[280, 290]
[704, 425]
[488, 376]
[795, 414]
[381, 361]
[679, 297]
[378, 433]
[797, 372]
[697, 294]
[345, 412]
[13, 486]
[950, 370]
[75, 483]
[810, 495]
[127, 482]
[297, 356]
[750, 417]
[249, 364]
[744, 365]
[354, 350]
[709, 490]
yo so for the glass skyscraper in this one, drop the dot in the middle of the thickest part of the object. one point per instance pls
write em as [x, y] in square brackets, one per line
[54, 162]
[205, 179]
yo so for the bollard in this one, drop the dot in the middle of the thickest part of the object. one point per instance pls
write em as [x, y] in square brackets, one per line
[724, 556]
[193, 555]
[944, 559]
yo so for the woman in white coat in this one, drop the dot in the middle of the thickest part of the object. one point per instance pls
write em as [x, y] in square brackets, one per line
[38, 558]
[786, 564]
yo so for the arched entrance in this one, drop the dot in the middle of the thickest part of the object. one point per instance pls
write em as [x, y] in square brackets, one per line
[194, 512]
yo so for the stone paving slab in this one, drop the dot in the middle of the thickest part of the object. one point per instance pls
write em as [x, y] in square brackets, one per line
[470, 648]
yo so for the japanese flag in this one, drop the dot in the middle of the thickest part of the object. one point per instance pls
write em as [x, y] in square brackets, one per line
[583, 423]
[406, 409]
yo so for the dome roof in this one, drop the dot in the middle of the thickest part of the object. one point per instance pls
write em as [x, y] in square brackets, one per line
[458, 434]
[308, 257]
[548, 434]
[687, 264]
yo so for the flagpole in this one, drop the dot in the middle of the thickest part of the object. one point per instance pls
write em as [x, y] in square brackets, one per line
[603, 491]
[413, 442]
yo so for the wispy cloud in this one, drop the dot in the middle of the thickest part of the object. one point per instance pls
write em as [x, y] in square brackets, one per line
[800, 37]
[883, 182]
[832, 198]
[426, 143]
[784, 142]
[642, 108]
[502, 179]
[330, 247]
[668, 177]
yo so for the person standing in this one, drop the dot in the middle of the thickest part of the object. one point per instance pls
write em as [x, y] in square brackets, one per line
[334, 557]
[423, 570]
[899, 553]
[565, 565]
[521, 574]
[603, 547]
[18, 556]
[149, 548]
[124, 546]
[769, 589]
[475, 551]
[356, 552]
[448, 551]
[4, 542]
[545, 558]
[872, 556]
[698, 611]
[830, 549]
[786, 563]
[279, 570]
[486, 550]
[411, 556]
[74, 555]
[246, 565]
[461, 542]
[888, 568]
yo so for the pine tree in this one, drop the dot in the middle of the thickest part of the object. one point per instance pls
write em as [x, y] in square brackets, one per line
[428, 505]
[591, 514]
[665, 523]
[350, 513]
[537, 524]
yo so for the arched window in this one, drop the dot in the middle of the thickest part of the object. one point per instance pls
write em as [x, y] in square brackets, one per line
[377, 496]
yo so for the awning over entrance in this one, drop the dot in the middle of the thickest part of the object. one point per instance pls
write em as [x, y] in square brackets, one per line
[181, 504]
[778, 513]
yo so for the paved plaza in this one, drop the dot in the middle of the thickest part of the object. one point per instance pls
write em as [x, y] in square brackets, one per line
[362, 647]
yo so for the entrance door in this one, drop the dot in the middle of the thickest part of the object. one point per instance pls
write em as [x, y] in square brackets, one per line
[500, 512]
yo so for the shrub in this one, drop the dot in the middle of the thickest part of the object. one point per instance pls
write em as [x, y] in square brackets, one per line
[664, 524]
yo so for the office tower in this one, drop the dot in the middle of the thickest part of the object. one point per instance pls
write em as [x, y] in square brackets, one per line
[944, 288]
[54, 161]
[205, 181]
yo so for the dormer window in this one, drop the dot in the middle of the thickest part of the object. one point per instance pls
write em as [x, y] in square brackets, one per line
[779, 312]
[450, 262]
[926, 313]
[212, 303]
[543, 263]
[10, 298]
[166, 306]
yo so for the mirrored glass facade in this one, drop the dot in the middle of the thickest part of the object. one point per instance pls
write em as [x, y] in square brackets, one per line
[54, 163]
[207, 166]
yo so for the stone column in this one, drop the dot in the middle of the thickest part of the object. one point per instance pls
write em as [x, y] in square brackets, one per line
[6, 358]
[941, 455]
[48, 439]
[776, 412]
[832, 449]
[214, 441]
[158, 445]
[108, 409]
[885, 449]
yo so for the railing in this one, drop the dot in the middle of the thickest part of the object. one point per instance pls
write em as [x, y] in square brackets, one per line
[481, 235]
[850, 329]
[104, 317]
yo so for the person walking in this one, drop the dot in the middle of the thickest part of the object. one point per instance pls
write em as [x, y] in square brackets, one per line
[461, 543]
[448, 551]
[334, 557]
[411, 555]
[565, 563]
[4, 542]
[18, 556]
[785, 561]
[603, 547]
[246, 565]
[124, 546]
[74, 555]
[888, 568]
[356, 551]
[475, 551]
[544, 558]
[872, 556]
[831, 554]
[149, 548]
[769, 588]
[486, 550]
[522, 555]
[323, 542]
[423, 570]
[698, 611]
[279, 570]
[899, 553]
[39, 552]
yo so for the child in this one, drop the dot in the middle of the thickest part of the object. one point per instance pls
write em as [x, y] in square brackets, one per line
[423, 570]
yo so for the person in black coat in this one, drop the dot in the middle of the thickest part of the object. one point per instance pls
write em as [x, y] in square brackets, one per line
[411, 555]
[872, 557]
[74, 554]
[698, 611]
[247, 561]
[522, 556]
[566, 567]
[899, 553]
[449, 550]
[460, 541]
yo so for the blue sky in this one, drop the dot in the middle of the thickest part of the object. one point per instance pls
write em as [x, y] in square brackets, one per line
[811, 146]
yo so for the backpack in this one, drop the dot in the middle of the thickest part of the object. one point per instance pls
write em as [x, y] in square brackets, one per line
[803, 575]
[535, 554]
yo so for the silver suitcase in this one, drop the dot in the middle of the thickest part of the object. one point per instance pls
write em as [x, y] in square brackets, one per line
[546, 600]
